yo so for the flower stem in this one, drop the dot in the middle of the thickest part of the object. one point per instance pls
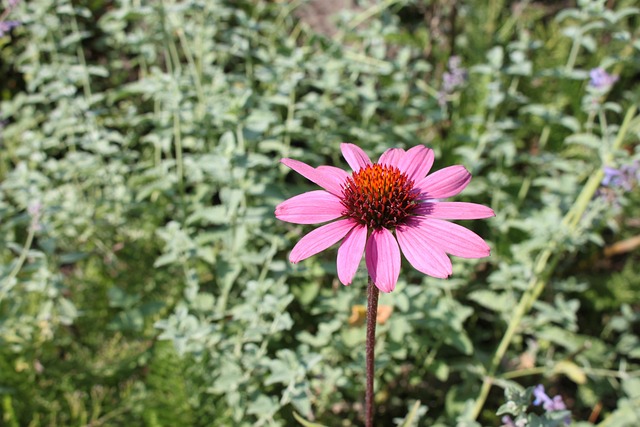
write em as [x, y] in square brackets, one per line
[372, 312]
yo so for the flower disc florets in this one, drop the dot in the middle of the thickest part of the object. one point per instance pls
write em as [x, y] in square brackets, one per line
[379, 196]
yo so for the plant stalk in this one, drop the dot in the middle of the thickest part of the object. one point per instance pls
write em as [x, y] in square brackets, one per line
[372, 313]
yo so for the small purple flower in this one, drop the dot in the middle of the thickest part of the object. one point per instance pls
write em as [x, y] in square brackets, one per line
[35, 211]
[34, 208]
[452, 79]
[549, 404]
[600, 79]
[455, 76]
[625, 177]
[6, 26]
[541, 398]
[507, 421]
[611, 177]
[556, 404]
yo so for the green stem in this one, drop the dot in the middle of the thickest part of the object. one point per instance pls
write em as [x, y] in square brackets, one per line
[573, 54]
[577, 210]
[543, 268]
[9, 416]
[195, 71]
[371, 12]
[23, 256]
[86, 81]
[179, 162]
[540, 370]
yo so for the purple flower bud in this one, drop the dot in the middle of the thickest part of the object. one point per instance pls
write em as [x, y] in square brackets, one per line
[600, 79]
[6, 26]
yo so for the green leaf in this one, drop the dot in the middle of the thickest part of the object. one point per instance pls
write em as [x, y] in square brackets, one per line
[413, 416]
[304, 422]
[574, 372]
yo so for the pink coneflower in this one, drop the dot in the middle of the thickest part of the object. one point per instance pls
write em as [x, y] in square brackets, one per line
[383, 208]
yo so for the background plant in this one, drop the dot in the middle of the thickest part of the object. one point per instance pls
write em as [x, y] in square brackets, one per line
[148, 283]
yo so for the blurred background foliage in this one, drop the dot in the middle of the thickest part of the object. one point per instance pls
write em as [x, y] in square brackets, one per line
[144, 279]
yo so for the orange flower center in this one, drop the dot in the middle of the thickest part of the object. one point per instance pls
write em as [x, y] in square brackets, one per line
[379, 196]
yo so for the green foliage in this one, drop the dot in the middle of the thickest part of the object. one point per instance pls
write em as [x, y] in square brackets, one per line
[144, 279]
[167, 401]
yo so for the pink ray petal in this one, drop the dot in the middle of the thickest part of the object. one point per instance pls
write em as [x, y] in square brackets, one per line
[444, 183]
[421, 253]
[454, 239]
[454, 210]
[339, 176]
[320, 239]
[310, 208]
[383, 259]
[321, 178]
[355, 156]
[350, 253]
[417, 162]
[391, 157]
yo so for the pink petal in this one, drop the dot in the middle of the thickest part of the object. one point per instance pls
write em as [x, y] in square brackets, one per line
[350, 253]
[454, 239]
[310, 208]
[338, 176]
[319, 177]
[391, 157]
[417, 162]
[320, 239]
[444, 183]
[421, 253]
[454, 210]
[383, 259]
[355, 156]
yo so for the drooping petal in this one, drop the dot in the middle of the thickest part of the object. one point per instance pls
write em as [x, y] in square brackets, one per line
[444, 183]
[391, 157]
[454, 239]
[417, 162]
[310, 208]
[321, 178]
[383, 259]
[320, 239]
[350, 253]
[454, 210]
[421, 253]
[355, 156]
